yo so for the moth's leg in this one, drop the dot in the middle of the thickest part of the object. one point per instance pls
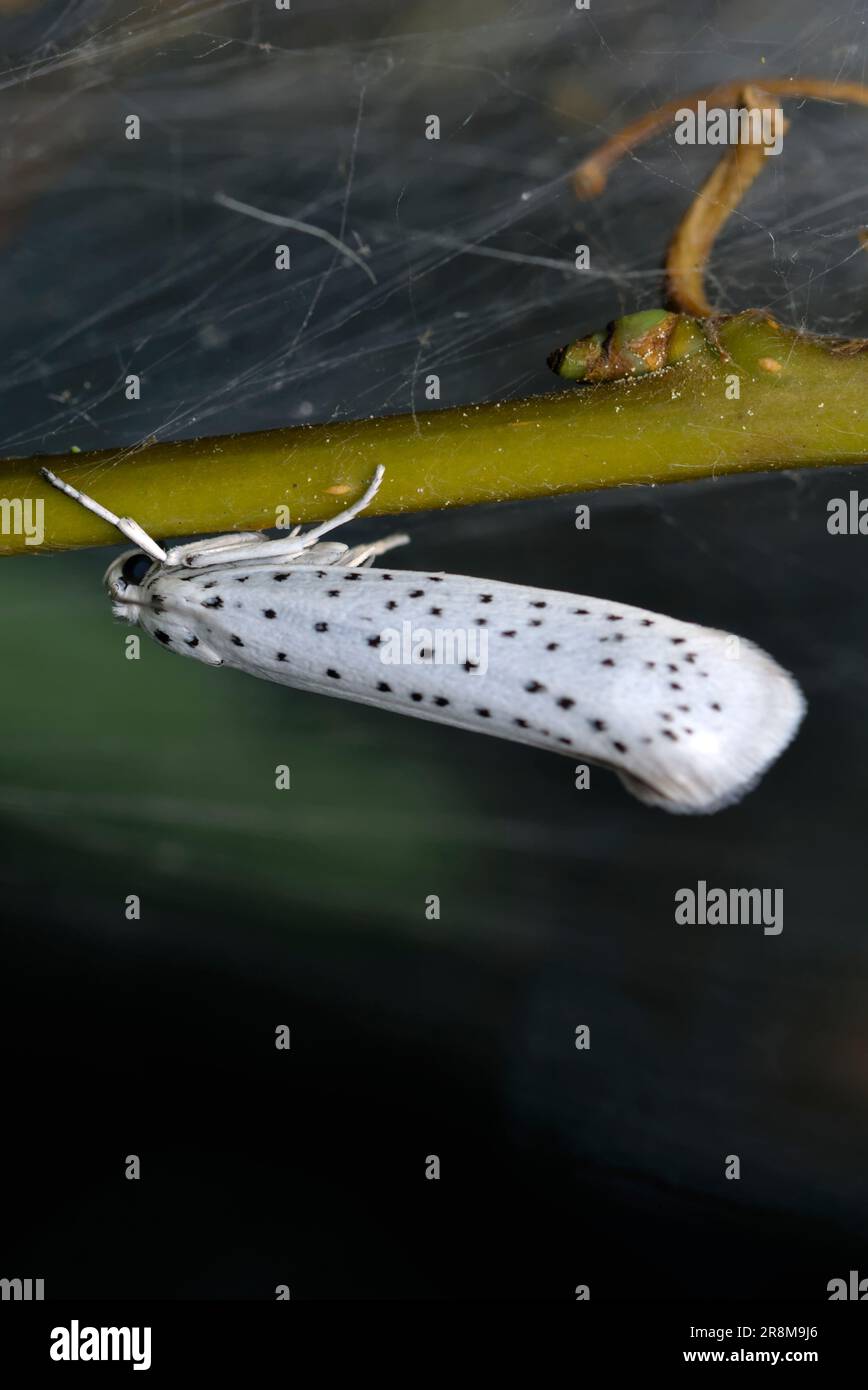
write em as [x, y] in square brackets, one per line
[349, 512]
[253, 546]
[282, 550]
[318, 556]
[298, 542]
[125, 524]
[242, 546]
[217, 549]
[366, 554]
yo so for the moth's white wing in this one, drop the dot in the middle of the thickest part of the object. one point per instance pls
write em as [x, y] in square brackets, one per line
[689, 717]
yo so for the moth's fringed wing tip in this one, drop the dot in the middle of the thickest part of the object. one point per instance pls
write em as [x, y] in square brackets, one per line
[700, 781]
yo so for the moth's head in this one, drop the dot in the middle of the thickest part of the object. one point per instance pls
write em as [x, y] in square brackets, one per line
[124, 579]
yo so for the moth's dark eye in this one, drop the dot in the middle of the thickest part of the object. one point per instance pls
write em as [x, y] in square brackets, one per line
[136, 567]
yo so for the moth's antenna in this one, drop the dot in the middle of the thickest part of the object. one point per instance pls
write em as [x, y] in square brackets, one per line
[125, 524]
[349, 512]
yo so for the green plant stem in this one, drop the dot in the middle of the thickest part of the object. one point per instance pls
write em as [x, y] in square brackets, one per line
[666, 426]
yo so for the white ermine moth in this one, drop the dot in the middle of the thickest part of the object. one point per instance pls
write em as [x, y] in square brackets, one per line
[688, 717]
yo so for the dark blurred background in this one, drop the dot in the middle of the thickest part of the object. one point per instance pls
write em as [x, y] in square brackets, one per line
[307, 908]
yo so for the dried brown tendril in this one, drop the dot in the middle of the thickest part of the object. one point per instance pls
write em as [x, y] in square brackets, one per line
[690, 247]
[592, 174]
